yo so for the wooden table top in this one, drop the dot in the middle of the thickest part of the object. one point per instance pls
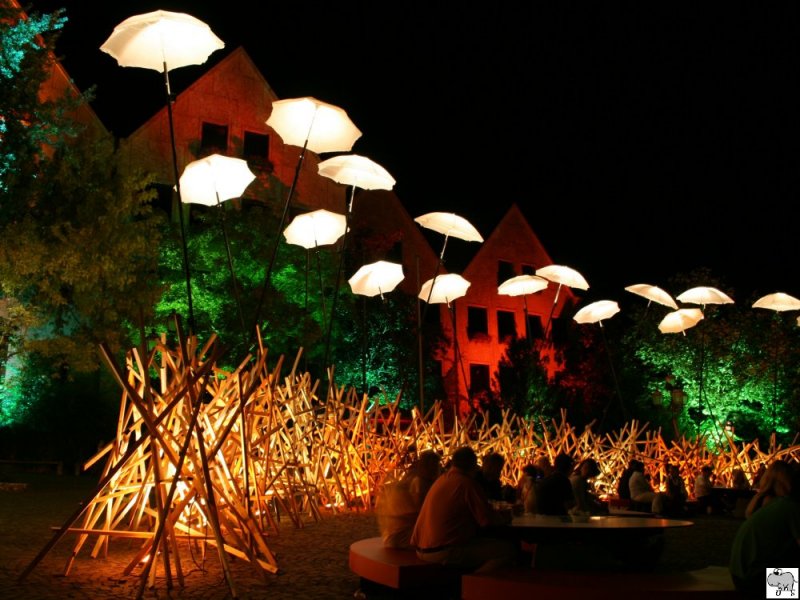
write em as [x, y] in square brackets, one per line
[603, 522]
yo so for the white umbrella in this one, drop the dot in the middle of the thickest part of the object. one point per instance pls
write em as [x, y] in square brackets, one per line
[704, 295]
[163, 40]
[214, 179]
[444, 289]
[680, 320]
[313, 124]
[450, 225]
[317, 228]
[357, 171]
[596, 312]
[376, 278]
[653, 293]
[561, 275]
[210, 181]
[778, 301]
[523, 285]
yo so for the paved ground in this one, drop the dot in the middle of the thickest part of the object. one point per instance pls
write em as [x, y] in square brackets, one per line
[313, 560]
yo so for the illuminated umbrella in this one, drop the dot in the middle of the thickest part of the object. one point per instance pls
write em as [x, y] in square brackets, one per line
[317, 228]
[376, 278]
[597, 312]
[778, 301]
[163, 40]
[210, 181]
[680, 320]
[653, 293]
[214, 179]
[562, 276]
[450, 225]
[522, 285]
[704, 295]
[357, 172]
[313, 125]
[444, 289]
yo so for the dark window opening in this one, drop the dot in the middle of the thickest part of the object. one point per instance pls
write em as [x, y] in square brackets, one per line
[558, 330]
[479, 379]
[477, 322]
[506, 325]
[255, 150]
[535, 329]
[214, 139]
[505, 271]
[395, 253]
[528, 270]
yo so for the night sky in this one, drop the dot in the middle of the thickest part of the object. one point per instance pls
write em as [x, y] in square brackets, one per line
[641, 139]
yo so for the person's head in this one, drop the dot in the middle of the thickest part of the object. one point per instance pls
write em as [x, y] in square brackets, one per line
[563, 463]
[589, 468]
[673, 470]
[706, 470]
[429, 464]
[636, 465]
[492, 465]
[529, 471]
[738, 478]
[464, 459]
[777, 480]
[543, 465]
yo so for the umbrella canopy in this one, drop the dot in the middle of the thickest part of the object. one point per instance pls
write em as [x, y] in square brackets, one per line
[596, 312]
[358, 171]
[311, 123]
[680, 320]
[214, 179]
[778, 302]
[160, 39]
[444, 289]
[450, 225]
[704, 295]
[376, 278]
[563, 276]
[522, 285]
[653, 294]
[316, 228]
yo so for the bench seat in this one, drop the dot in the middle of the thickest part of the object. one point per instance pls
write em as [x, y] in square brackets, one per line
[711, 582]
[397, 569]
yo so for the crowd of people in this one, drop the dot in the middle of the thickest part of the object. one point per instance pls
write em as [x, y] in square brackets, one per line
[446, 514]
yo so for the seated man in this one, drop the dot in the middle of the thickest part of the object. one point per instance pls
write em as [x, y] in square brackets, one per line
[448, 528]
[488, 477]
[585, 500]
[554, 493]
[641, 490]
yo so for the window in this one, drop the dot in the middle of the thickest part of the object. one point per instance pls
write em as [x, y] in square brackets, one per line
[477, 322]
[506, 325]
[479, 379]
[505, 271]
[528, 270]
[395, 253]
[214, 139]
[255, 149]
[535, 329]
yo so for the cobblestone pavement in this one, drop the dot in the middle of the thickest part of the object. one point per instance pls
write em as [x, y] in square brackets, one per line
[312, 560]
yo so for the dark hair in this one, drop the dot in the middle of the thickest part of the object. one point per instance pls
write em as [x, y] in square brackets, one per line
[494, 458]
[464, 458]
[563, 463]
[592, 467]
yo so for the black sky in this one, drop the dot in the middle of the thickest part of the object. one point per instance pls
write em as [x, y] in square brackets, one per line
[641, 139]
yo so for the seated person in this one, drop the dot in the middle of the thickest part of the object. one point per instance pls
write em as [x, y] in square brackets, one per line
[554, 493]
[526, 490]
[641, 490]
[489, 476]
[769, 538]
[399, 502]
[585, 499]
[739, 480]
[775, 483]
[676, 495]
[707, 501]
[448, 528]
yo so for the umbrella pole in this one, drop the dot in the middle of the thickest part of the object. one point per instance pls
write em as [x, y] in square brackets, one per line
[364, 344]
[236, 294]
[552, 310]
[338, 276]
[286, 204]
[420, 359]
[616, 381]
[321, 290]
[457, 351]
[439, 263]
[180, 202]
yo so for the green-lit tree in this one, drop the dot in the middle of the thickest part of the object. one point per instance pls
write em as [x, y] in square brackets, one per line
[79, 237]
